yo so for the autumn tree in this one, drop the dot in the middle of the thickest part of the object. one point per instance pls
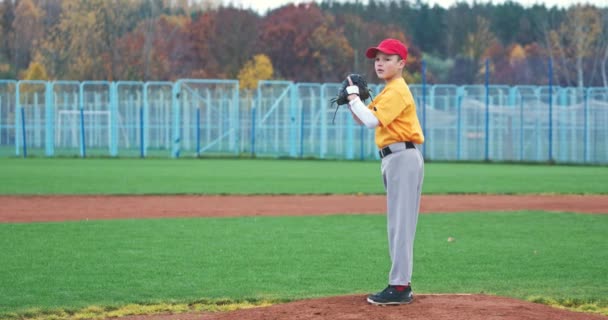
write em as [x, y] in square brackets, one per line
[222, 41]
[329, 50]
[170, 39]
[359, 35]
[27, 31]
[71, 51]
[256, 69]
[7, 16]
[35, 71]
[576, 38]
[516, 64]
[604, 50]
[158, 49]
[362, 35]
[477, 43]
[305, 45]
[81, 45]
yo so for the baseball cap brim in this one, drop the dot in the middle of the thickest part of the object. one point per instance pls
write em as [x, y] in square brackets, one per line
[371, 52]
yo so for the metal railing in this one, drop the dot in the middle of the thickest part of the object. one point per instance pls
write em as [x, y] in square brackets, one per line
[206, 117]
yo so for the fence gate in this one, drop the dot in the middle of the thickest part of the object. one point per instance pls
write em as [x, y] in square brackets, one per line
[274, 118]
[206, 117]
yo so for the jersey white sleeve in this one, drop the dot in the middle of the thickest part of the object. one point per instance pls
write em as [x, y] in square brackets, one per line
[363, 113]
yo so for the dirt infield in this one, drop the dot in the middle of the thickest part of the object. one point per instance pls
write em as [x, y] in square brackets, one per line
[61, 208]
[424, 307]
[427, 307]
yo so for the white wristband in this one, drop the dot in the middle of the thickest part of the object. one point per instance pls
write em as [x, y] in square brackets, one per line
[352, 90]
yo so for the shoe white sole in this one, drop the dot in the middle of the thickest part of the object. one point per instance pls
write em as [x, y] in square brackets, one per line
[388, 303]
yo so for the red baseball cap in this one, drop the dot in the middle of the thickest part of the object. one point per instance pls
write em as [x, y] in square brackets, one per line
[388, 46]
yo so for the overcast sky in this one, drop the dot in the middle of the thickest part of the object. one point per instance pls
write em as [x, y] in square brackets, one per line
[262, 6]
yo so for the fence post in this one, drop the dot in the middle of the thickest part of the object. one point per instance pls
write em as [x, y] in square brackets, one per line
[198, 132]
[49, 103]
[257, 99]
[17, 106]
[37, 121]
[487, 133]
[146, 116]
[586, 124]
[302, 113]
[521, 128]
[424, 105]
[293, 126]
[208, 116]
[141, 133]
[83, 152]
[114, 119]
[323, 121]
[23, 131]
[550, 109]
[175, 101]
[459, 98]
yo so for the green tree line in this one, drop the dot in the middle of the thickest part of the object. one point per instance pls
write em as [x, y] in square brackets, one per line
[151, 40]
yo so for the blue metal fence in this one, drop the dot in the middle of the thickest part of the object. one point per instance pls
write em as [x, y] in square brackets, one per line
[194, 117]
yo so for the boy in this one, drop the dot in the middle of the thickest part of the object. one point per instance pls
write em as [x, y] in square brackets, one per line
[393, 115]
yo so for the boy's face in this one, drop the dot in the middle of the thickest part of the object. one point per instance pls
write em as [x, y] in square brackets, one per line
[388, 67]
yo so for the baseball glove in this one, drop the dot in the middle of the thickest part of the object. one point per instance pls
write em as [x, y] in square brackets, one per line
[342, 97]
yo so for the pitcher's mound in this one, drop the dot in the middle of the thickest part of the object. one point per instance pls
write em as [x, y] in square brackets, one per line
[426, 307]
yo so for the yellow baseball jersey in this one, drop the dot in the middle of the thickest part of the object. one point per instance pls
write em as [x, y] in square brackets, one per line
[396, 110]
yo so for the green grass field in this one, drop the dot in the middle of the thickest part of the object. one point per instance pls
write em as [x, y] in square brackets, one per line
[72, 265]
[102, 265]
[234, 176]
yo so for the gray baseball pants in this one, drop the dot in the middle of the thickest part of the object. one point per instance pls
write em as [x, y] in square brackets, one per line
[403, 173]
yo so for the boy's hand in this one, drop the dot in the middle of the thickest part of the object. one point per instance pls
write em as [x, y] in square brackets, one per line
[352, 90]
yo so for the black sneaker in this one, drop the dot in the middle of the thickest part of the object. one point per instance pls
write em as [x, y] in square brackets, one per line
[391, 296]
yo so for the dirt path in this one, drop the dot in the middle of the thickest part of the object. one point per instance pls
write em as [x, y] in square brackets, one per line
[425, 307]
[60, 208]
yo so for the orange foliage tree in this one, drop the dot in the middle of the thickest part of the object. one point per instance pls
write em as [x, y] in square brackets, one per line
[158, 49]
[223, 41]
[305, 44]
[517, 64]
